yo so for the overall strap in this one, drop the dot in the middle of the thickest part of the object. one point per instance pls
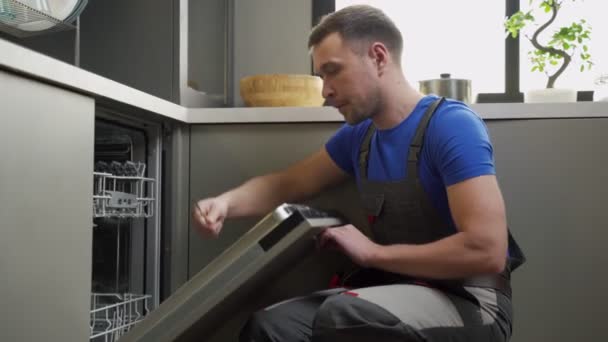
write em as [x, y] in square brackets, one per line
[418, 141]
[364, 151]
[415, 146]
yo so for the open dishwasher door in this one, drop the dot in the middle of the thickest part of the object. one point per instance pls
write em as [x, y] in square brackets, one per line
[213, 295]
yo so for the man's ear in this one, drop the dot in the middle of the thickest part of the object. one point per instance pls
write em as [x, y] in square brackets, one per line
[379, 55]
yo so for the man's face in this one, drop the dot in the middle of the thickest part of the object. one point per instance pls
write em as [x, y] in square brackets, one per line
[350, 82]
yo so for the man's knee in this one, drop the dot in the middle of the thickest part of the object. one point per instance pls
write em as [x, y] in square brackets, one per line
[258, 327]
[337, 312]
[346, 310]
[348, 318]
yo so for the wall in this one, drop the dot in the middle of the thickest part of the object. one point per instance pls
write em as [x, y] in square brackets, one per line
[207, 45]
[131, 42]
[59, 45]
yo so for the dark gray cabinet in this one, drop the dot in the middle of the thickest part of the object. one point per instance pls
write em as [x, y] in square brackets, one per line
[46, 143]
[553, 176]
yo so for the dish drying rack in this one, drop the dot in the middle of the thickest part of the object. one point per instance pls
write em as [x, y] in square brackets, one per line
[14, 15]
[120, 190]
[113, 314]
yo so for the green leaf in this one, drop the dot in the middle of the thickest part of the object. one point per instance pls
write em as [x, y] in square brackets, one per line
[566, 46]
[585, 48]
[582, 68]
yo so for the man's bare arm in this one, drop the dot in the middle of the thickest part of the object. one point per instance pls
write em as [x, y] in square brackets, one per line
[300, 181]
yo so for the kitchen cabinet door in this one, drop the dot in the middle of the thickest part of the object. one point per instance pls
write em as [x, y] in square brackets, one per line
[46, 144]
[552, 173]
[223, 156]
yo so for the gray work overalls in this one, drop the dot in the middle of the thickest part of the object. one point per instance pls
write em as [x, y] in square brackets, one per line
[382, 306]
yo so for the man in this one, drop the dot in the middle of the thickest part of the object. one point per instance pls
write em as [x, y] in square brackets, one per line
[437, 269]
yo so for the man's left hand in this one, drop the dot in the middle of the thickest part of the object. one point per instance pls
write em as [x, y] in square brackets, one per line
[350, 241]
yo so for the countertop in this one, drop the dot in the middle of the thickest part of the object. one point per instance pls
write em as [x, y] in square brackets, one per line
[38, 66]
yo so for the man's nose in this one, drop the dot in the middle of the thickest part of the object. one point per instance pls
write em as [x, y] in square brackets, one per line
[327, 92]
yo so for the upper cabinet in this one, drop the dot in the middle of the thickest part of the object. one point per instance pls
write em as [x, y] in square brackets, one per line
[177, 50]
[190, 52]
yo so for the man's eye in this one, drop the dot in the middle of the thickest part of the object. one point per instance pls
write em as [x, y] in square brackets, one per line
[331, 70]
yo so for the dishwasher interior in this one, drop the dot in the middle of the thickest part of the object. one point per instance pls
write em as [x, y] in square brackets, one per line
[126, 225]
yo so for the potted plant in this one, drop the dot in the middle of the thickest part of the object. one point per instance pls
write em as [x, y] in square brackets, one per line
[567, 45]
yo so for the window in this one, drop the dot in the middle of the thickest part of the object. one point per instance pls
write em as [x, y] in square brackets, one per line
[463, 38]
[593, 11]
[467, 39]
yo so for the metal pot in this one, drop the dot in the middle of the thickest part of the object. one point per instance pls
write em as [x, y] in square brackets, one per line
[459, 89]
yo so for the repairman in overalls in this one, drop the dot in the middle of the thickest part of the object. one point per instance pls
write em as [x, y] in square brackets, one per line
[438, 267]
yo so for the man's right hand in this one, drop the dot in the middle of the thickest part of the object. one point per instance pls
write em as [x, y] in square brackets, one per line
[208, 216]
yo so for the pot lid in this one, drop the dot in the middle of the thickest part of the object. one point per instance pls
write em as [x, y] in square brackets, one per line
[446, 77]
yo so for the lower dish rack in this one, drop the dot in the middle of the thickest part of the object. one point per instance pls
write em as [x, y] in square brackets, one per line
[120, 190]
[113, 314]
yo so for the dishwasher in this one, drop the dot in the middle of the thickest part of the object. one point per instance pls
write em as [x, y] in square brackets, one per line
[131, 297]
[126, 224]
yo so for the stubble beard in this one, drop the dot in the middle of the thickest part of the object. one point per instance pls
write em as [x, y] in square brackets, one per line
[358, 114]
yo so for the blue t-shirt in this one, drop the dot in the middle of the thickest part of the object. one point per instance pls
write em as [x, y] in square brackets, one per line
[456, 147]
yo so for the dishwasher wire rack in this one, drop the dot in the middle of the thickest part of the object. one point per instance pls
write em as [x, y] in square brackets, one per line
[113, 314]
[120, 190]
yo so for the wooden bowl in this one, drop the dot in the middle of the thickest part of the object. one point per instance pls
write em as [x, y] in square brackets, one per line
[282, 90]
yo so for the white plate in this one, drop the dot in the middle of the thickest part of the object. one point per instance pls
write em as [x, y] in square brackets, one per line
[36, 26]
[61, 9]
[58, 9]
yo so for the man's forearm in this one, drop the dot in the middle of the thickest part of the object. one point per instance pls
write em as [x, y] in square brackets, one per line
[260, 195]
[298, 182]
[456, 256]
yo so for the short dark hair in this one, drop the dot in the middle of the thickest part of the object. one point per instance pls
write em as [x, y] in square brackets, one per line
[359, 23]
